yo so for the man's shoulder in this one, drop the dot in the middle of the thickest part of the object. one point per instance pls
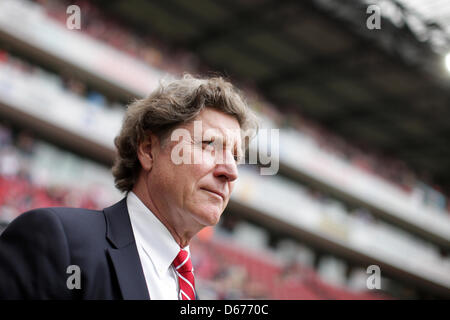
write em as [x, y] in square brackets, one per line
[71, 212]
[66, 219]
[64, 214]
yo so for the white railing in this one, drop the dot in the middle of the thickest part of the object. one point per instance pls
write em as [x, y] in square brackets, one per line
[28, 22]
[288, 202]
[303, 154]
[278, 197]
[35, 95]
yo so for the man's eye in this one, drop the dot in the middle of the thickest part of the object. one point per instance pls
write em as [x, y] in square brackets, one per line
[208, 142]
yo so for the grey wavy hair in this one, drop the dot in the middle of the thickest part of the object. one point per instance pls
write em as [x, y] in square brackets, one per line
[173, 103]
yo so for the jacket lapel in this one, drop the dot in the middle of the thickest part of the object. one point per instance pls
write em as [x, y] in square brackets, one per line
[124, 254]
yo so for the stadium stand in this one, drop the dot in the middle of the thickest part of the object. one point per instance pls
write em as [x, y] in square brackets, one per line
[332, 237]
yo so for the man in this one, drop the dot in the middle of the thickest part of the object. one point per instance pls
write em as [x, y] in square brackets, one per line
[177, 156]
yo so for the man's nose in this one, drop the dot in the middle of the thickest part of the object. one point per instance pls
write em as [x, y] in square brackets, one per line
[227, 167]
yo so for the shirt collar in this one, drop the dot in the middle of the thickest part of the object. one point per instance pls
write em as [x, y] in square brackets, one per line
[155, 238]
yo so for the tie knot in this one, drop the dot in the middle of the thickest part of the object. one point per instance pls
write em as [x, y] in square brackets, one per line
[182, 263]
[183, 268]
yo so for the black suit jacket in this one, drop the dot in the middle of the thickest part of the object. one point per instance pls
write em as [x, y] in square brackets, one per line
[37, 248]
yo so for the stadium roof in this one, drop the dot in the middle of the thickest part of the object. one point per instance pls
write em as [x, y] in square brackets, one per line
[386, 87]
[433, 12]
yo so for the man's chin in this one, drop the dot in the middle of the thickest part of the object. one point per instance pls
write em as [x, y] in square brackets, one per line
[209, 218]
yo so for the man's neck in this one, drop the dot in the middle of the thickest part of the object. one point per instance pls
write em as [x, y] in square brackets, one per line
[177, 229]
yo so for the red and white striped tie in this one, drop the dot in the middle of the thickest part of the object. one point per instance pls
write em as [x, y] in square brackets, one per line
[184, 270]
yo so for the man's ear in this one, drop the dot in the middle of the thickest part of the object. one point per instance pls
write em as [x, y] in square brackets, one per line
[146, 151]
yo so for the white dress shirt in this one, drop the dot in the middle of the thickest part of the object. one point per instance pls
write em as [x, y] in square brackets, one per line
[157, 249]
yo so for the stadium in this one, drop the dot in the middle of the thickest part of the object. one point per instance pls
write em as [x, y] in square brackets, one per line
[357, 204]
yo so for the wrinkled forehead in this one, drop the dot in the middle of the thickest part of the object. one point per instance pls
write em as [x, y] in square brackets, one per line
[223, 129]
[217, 125]
[229, 132]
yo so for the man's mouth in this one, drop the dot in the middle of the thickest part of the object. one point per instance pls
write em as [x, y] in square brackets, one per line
[215, 193]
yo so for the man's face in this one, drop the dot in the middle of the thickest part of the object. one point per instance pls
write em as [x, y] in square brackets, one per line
[196, 193]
